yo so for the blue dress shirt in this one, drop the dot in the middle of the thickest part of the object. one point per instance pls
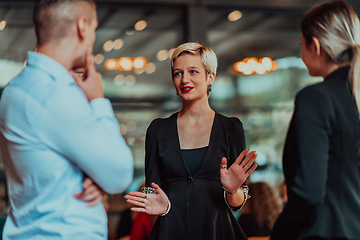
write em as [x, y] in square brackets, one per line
[50, 136]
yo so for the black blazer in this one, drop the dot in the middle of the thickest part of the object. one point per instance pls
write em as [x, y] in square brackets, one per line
[198, 208]
[321, 164]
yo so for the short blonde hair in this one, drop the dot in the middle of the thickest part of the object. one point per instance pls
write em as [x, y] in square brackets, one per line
[208, 57]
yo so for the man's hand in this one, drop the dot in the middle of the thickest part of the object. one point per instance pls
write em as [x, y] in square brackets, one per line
[92, 194]
[90, 81]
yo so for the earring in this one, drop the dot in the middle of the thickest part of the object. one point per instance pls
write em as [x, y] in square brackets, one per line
[209, 88]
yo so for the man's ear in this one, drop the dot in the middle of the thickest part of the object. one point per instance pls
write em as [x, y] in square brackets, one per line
[81, 27]
[316, 45]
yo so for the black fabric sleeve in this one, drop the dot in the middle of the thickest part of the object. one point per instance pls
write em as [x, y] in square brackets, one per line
[305, 161]
[237, 144]
[152, 166]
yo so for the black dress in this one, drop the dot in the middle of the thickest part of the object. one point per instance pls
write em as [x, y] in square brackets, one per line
[251, 227]
[198, 210]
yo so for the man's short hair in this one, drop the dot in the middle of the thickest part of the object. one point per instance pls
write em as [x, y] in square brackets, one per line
[54, 19]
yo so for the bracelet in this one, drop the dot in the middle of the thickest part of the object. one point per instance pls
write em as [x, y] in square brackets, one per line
[245, 189]
[167, 209]
[228, 191]
[148, 190]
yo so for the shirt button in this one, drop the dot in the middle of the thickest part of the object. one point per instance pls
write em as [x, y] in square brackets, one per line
[190, 179]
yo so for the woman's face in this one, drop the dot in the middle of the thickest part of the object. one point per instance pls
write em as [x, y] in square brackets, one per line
[309, 57]
[190, 78]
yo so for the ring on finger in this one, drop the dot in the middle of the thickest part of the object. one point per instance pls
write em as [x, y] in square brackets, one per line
[223, 166]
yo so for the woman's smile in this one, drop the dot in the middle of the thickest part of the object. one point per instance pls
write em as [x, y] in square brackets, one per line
[186, 89]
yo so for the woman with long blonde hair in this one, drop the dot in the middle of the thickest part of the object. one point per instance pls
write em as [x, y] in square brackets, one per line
[321, 154]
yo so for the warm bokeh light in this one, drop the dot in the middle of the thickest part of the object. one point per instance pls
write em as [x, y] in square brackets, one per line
[108, 45]
[267, 63]
[130, 80]
[253, 65]
[125, 64]
[260, 69]
[111, 64]
[274, 66]
[2, 25]
[119, 79]
[162, 55]
[239, 66]
[139, 71]
[252, 62]
[118, 43]
[234, 16]
[139, 62]
[171, 51]
[150, 68]
[129, 32]
[248, 70]
[99, 58]
[140, 25]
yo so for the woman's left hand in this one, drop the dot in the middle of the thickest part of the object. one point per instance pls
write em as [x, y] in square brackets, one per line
[233, 177]
[92, 194]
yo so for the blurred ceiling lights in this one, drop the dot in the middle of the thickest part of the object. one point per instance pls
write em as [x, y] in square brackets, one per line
[120, 79]
[162, 55]
[129, 32]
[249, 66]
[126, 63]
[2, 25]
[139, 62]
[150, 68]
[110, 45]
[140, 25]
[234, 15]
[118, 43]
[99, 58]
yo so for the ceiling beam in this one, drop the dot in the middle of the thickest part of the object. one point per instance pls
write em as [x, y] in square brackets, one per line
[297, 5]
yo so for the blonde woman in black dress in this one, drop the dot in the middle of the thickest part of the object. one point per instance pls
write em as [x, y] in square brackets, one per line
[195, 160]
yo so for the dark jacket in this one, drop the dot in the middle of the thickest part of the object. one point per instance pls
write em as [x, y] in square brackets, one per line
[198, 209]
[321, 164]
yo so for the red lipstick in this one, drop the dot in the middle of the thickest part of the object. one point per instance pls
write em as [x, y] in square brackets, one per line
[186, 89]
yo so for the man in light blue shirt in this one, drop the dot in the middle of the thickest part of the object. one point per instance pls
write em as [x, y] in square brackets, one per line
[56, 128]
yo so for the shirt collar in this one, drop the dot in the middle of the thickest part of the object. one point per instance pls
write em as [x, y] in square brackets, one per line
[341, 72]
[50, 66]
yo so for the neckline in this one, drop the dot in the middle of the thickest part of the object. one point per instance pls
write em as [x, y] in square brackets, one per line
[208, 146]
[195, 149]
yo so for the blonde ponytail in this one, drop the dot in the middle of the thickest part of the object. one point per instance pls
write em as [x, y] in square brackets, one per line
[355, 75]
[337, 27]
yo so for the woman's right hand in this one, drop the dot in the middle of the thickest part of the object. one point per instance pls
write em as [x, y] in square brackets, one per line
[153, 204]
